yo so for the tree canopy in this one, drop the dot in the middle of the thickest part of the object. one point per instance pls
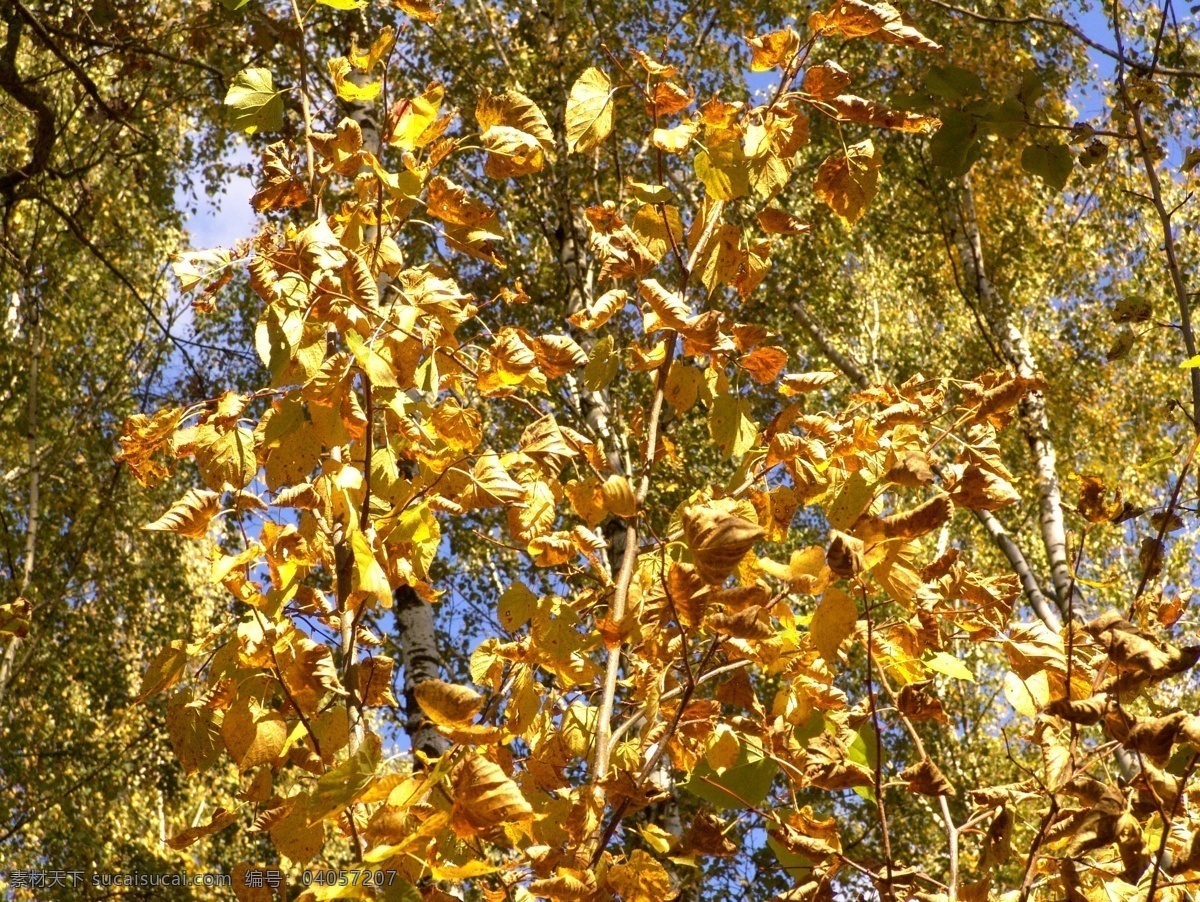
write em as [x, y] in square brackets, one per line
[635, 452]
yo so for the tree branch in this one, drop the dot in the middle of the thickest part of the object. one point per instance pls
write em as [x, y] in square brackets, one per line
[1118, 55]
[33, 100]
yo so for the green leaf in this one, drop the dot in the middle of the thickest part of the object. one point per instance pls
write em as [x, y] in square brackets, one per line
[341, 785]
[746, 783]
[1052, 163]
[956, 146]
[796, 865]
[231, 5]
[953, 83]
[254, 104]
[950, 666]
[1006, 119]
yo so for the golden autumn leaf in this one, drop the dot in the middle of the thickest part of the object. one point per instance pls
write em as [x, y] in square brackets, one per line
[368, 580]
[764, 364]
[668, 306]
[253, 734]
[492, 486]
[978, 488]
[447, 703]
[618, 497]
[771, 50]
[143, 437]
[513, 109]
[422, 10]
[557, 355]
[674, 140]
[718, 538]
[779, 222]
[909, 524]
[641, 879]
[589, 111]
[848, 108]
[802, 383]
[294, 836]
[601, 310]
[371, 681]
[849, 180]
[450, 203]
[668, 99]
[880, 21]
[926, 778]
[162, 673]
[511, 152]
[348, 88]
[410, 121]
[484, 798]
[566, 885]
[825, 81]
[221, 818]
[832, 623]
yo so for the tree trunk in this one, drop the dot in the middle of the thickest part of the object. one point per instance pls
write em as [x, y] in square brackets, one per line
[1031, 409]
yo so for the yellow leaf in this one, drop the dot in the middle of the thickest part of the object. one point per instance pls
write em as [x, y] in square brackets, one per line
[718, 538]
[779, 222]
[825, 81]
[367, 579]
[848, 108]
[800, 383]
[730, 425]
[775, 49]
[342, 785]
[849, 180]
[683, 386]
[371, 680]
[511, 152]
[657, 838]
[601, 310]
[369, 357]
[447, 703]
[294, 837]
[589, 112]
[421, 10]
[764, 364]
[221, 819]
[484, 798]
[449, 202]
[723, 749]
[641, 879]
[410, 119]
[516, 606]
[164, 671]
[225, 458]
[190, 515]
[1027, 696]
[674, 140]
[832, 622]
[253, 735]
[346, 83]
[618, 497]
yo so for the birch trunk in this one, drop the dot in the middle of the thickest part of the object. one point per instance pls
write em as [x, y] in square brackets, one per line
[1032, 409]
